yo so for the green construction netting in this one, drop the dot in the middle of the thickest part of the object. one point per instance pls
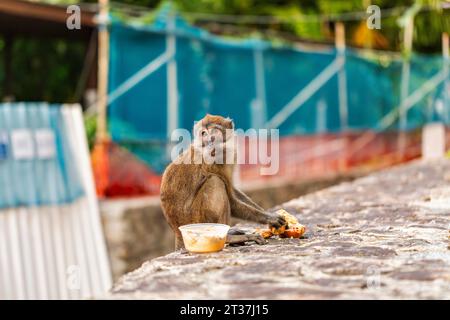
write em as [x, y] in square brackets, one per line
[217, 75]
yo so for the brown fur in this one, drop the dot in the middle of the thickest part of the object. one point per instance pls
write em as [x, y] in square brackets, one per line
[201, 193]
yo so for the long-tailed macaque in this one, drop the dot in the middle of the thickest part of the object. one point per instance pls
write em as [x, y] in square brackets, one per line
[194, 191]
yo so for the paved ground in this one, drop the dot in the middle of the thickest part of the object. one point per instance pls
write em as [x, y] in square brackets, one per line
[382, 236]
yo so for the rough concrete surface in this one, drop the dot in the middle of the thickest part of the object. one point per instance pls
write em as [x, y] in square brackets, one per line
[136, 230]
[384, 236]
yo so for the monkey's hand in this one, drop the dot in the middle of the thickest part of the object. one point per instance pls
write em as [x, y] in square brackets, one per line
[274, 220]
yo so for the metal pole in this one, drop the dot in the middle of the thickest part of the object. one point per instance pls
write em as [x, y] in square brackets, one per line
[406, 69]
[342, 92]
[140, 75]
[172, 90]
[261, 110]
[103, 60]
[342, 77]
[321, 128]
[312, 87]
[414, 98]
[321, 116]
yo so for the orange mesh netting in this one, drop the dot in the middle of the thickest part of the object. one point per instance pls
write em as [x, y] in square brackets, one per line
[119, 173]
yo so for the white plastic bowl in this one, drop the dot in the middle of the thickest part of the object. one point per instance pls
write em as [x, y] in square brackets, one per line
[204, 237]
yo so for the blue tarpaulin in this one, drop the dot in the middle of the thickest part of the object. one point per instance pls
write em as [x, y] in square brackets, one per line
[36, 156]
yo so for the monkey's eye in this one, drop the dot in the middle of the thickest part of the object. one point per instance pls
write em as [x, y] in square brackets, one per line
[203, 133]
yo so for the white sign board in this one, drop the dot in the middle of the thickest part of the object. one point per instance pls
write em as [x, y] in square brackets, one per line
[45, 143]
[22, 144]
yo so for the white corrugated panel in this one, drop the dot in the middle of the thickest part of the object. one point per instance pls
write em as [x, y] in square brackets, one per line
[56, 252]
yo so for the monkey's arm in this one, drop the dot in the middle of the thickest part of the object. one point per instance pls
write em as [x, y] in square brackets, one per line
[245, 211]
[246, 199]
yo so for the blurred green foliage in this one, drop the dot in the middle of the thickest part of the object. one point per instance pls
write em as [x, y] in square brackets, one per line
[44, 69]
[429, 24]
[90, 125]
[48, 69]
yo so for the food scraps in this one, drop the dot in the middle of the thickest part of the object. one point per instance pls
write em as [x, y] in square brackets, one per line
[292, 229]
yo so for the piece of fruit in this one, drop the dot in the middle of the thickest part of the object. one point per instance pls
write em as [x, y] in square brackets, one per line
[294, 231]
[278, 231]
[265, 233]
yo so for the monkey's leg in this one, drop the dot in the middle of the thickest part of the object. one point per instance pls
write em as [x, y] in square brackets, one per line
[210, 205]
[179, 244]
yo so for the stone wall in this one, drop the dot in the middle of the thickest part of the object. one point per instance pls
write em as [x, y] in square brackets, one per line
[136, 230]
[384, 236]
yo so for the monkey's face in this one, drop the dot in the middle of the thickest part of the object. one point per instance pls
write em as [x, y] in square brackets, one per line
[212, 132]
[212, 135]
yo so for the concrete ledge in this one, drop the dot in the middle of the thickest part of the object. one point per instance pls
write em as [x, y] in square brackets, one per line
[136, 229]
[382, 236]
